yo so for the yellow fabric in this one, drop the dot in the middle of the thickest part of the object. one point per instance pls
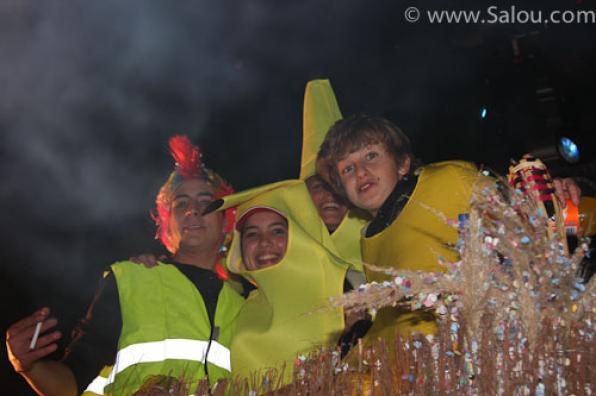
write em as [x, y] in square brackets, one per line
[159, 304]
[321, 111]
[346, 238]
[417, 238]
[230, 201]
[288, 314]
[587, 211]
[305, 214]
[103, 375]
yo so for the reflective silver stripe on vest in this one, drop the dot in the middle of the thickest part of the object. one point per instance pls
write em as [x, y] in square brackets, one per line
[97, 385]
[180, 349]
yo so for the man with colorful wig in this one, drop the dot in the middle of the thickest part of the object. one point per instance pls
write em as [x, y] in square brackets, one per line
[168, 323]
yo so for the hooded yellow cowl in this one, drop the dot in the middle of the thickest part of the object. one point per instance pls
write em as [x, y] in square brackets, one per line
[289, 313]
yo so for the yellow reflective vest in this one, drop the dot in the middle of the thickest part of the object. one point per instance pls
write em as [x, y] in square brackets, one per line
[166, 330]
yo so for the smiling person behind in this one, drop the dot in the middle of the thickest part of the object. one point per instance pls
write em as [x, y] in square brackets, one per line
[331, 208]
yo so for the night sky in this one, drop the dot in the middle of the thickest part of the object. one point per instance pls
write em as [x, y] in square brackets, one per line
[91, 91]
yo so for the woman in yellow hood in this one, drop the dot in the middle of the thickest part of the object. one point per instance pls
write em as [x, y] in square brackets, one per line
[288, 314]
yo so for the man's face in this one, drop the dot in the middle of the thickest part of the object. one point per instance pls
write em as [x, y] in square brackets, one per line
[188, 227]
[369, 175]
[330, 209]
[264, 238]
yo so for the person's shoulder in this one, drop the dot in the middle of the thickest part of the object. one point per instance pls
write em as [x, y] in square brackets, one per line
[454, 175]
[444, 167]
[128, 266]
[124, 265]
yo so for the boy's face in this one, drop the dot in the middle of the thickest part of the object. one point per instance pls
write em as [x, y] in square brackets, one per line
[369, 175]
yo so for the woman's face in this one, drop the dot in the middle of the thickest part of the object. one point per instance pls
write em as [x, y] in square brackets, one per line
[264, 239]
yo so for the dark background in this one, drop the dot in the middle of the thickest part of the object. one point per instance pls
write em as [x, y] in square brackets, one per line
[90, 92]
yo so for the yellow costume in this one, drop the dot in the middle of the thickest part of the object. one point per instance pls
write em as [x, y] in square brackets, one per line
[289, 313]
[417, 238]
[346, 238]
[321, 111]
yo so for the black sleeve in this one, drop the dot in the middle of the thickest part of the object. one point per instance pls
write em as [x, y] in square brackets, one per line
[100, 330]
[247, 287]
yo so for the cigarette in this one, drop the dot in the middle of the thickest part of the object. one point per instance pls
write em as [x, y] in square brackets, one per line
[35, 335]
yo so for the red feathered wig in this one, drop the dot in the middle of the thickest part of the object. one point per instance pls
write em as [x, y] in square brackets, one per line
[188, 166]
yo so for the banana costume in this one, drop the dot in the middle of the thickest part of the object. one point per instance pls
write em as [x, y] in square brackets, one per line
[416, 240]
[289, 313]
[320, 112]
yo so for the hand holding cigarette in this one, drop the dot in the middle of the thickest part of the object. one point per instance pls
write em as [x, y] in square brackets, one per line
[35, 335]
[27, 340]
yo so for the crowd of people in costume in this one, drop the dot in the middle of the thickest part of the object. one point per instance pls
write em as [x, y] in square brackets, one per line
[249, 276]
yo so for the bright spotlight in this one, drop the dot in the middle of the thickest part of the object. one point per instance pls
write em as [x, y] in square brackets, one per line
[568, 150]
